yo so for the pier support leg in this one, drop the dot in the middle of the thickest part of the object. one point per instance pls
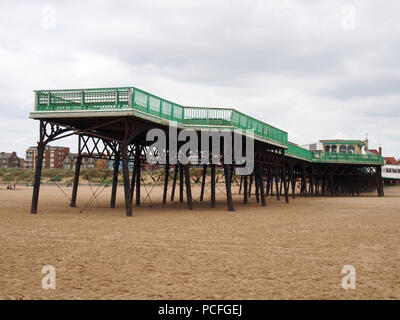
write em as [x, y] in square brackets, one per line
[166, 182]
[133, 179]
[245, 191]
[76, 180]
[272, 184]
[188, 188]
[293, 181]
[115, 180]
[332, 186]
[257, 186]
[378, 176]
[285, 185]
[261, 185]
[250, 185]
[181, 183]
[203, 182]
[125, 172]
[174, 182]
[277, 188]
[38, 174]
[311, 182]
[137, 170]
[304, 182]
[212, 185]
[228, 187]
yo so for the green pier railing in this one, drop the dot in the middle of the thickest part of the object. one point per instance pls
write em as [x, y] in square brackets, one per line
[142, 101]
[325, 157]
[296, 151]
[104, 99]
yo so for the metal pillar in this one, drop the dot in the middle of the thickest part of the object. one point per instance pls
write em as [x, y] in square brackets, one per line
[245, 191]
[228, 187]
[115, 180]
[137, 170]
[181, 183]
[125, 173]
[332, 185]
[174, 182]
[203, 182]
[293, 181]
[212, 185]
[311, 182]
[166, 182]
[76, 179]
[188, 188]
[261, 186]
[277, 188]
[38, 173]
[257, 186]
[133, 179]
[285, 185]
[250, 185]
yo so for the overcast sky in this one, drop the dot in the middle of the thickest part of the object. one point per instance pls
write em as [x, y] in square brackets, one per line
[316, 69]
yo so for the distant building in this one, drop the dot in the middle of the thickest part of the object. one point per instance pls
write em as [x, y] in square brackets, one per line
[52, 158]
[391, 160]
[22, 163]
[373, 151]
[69, 162]
[110, 165]
[9, 160]
[391, 170]
[101, 163]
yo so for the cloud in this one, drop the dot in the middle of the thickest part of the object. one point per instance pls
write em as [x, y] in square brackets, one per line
[289, 63]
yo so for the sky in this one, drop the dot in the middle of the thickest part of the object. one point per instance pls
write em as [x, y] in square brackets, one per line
[316, 69]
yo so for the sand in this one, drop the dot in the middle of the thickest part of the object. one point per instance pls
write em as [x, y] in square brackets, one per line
[293, 251]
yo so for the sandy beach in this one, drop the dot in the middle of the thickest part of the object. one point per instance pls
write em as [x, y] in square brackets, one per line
[283, 251]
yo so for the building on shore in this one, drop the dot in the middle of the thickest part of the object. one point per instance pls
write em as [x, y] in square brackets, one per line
[9, 160]
[53, 157]
[110, 165]
[69, 162]
[22, 163]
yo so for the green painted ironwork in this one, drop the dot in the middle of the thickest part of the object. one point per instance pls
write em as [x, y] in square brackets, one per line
[294, 150]
[147, 103]
[198, 117]
[348, 157]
